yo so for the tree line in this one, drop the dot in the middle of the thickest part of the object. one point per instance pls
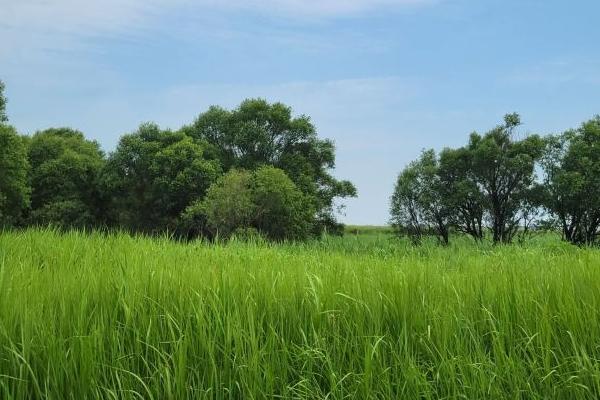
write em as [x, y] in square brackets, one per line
[255, 169]
[502, 187]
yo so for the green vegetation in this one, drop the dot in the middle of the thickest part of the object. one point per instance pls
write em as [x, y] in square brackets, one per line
[365, 316]
[572, 182]
[152, 177]
[3, 116]
[367, 230]
[14, 188]
[265, 201]
[491, 185]
[64, 173]
[239, 284]
[156, 180]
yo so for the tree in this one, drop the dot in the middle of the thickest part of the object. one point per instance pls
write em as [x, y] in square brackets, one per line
[405, 210]
[258, 133]
[418, 205]
[282, 210]
[14, 187]
[154, 175]
[572, 182]
[64, 172]
[503, 169]
[461, 192]
[3, 116]
[227, 207]
[266, 200]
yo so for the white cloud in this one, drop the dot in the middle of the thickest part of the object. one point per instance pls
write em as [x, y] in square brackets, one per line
[80, 15]
[30, 25]
[32, 29]
[118, 16]
[553, 73]
[319, 8]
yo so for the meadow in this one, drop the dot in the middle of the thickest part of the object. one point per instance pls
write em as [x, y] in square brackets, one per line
[113, 316]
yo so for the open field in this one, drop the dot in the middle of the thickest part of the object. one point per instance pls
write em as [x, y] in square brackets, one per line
[116, 317]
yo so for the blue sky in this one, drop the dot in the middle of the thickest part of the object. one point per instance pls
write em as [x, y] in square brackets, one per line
[383, 78]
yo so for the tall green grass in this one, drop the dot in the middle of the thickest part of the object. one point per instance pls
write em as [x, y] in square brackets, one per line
[85, 316]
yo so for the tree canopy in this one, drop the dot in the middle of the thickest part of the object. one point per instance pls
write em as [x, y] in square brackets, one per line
[282, 210]
[254, 167]
[160, 180]
[258, 133]
[265, 200]
[503, 168]
[489, 181]
[417, 207]
[152, 177]
[572, 182]
[14, 185]
[64, 171]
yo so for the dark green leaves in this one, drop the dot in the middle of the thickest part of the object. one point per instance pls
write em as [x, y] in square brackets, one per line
[64, 177]
[14, 185]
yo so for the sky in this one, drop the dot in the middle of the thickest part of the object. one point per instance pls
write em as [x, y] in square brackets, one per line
[384, 79]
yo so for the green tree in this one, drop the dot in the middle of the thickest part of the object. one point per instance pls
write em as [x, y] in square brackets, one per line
[572, 182]
[3, 116]
[406, 214]
[265, 200]
[258, 133]
[503, 169]
[227, 207]
[14, 186]
[282, 211]
[64, 172]
[461, 193]
[154, 175]
[418, 206]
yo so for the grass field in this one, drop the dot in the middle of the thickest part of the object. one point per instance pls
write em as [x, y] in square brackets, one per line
[85, 316]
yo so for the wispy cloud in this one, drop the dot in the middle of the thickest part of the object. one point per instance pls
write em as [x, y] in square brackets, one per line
[106, 15]
[33, 29]
[557, 72]
[319, 8]
[109, 16]
[93, 17]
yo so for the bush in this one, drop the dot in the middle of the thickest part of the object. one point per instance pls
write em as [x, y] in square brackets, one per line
[228, 204]
[265, 201]
[282, 211]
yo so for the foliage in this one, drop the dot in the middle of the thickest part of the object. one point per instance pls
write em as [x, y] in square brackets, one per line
[156, 180]
[3, 116]
[64, 172]
[572, 182]
[418, 205]
[493, 176]
[282, 210]
[266, 200]
[228, 205]
[154, 175]
[461, 193]
[406, 215]
[258, 133]
[504, 171]
[14, 185]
